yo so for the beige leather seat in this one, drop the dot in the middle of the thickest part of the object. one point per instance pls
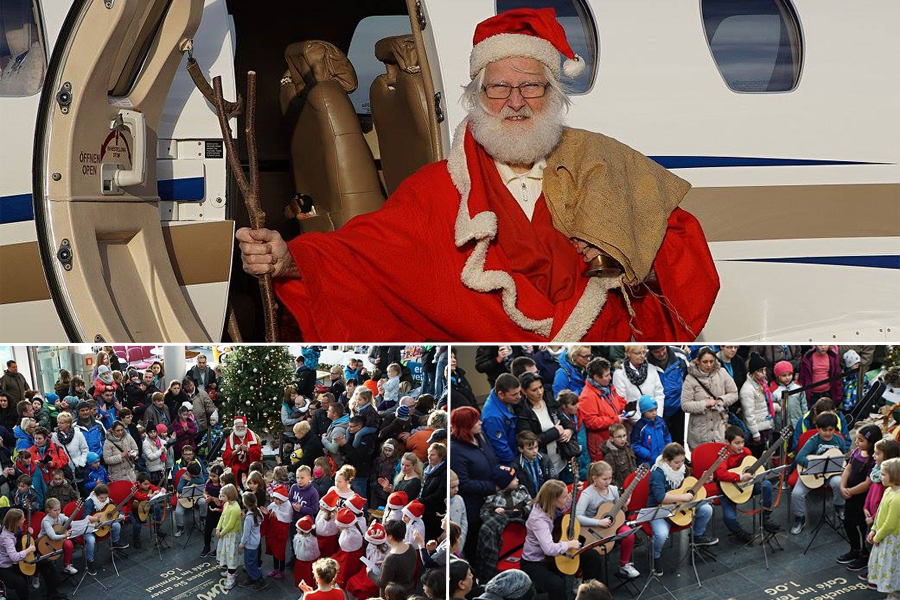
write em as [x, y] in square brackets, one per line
[331, 161]
[400, 111]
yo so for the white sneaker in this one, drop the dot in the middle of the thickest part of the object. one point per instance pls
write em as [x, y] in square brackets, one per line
[231, 581]
[179, 531]
[35, 582]
[224, 572]
[629, 571]
[70, 570]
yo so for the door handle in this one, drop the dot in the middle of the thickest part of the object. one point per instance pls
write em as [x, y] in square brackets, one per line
[112, 176]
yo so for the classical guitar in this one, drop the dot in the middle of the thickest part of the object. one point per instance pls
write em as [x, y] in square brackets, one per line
[816, 481]
[614, 511]
[570, 530]
[683, 517]
[26, 565]
[46, 545]
[739, 492]
[111, 513]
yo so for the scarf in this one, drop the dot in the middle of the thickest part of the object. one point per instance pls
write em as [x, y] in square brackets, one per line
[429, 469]
[767, 393]
[875, 475]
[555, 353]
[159, 445]
[65, 438]
[98, 506]
[636, 375]
[675, 478]
[534, 471]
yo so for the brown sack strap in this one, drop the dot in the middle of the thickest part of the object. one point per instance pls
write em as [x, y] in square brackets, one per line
[232, 109]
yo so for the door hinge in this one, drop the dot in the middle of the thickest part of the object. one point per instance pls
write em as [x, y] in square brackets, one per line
[420, 15]
[438, 111]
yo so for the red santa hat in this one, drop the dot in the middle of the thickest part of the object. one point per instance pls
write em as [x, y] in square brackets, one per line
[357, 504]
[329, 500]
[526, 32]
[281, 493]
[305, 525]
[376, 534]
[240, 419]
[345, 518]
[397, 500]
[414, 510]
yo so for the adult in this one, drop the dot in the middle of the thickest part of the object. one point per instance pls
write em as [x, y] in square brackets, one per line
[201, 374]
[309, 443]
[107, 407]
[63, 383]
[242, 447]
[358, 448]
[462, 580]
[638, 378]
[733, 364]
[202, 406]
[409, 478]
[434, 490]
[157, 413]
[336, 379]
[320, 420]
[571, 372]
[817, 365]
[175, 397]
[399, 566]
[493, 361]
[48, 455]
[131, 428]
[115, 363]
[672, 364]
[72, 440]
[185, 430]
[14, 383]
[159, 373]
[775, 353]
[759, 408]
[9, 418]
[148, 381]
[707, 393]
[120, 453]
[382, 356]
[599, 406]
[547, 361]
[24, 433]
[485, 216]
[13, 524]
[93, 430]
[417, 442]
[304, 378]
[461, 393]
[537, 413]
[499, 418]
[79, 389]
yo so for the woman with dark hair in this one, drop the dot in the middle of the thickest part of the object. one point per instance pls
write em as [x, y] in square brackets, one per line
[538, 414]
[707, 393]
[461, 578]
[461, 393]
[175, 397]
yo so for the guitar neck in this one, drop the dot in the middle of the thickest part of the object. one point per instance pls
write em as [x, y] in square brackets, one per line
[707, 475]
[623, 498]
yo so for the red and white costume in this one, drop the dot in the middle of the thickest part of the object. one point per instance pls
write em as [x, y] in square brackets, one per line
[360, 585]
[235, 439]
[306, 551]
[393, 510]
[350, 546]
[279, 526]
[413, 512]
[326, 524]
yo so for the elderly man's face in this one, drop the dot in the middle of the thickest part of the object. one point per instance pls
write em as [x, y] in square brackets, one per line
[526, 78]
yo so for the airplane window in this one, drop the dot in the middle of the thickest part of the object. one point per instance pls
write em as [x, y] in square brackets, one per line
[581, 31]
[756, 44]
[22, 58]
[362, 54]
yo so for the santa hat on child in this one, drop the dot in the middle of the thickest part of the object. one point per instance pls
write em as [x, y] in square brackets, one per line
[329, 500]
[525, 32]
[356, 504]
[376, 534]
[414, 510]
[397, 500]
[345, 518]
[305, 525]
[281, 493]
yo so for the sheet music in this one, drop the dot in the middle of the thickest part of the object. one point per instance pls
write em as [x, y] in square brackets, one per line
[374, 568]
[82, 527]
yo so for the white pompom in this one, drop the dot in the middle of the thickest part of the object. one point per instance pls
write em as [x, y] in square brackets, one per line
[573, 67]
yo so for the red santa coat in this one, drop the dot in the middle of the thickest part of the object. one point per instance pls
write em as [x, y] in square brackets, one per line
[253, 454]
[450, 258]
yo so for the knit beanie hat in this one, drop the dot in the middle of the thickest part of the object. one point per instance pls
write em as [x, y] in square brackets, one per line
[782, 367]
[851, 357]
[647, 403]
[756, 363]
[512, 584]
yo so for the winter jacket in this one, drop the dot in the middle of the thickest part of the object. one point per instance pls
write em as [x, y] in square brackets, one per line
[836, 387]
[77, 449]
[498, 425]
[648, 438]
[290, 416]
[174, 401]
[154, 417]
[756, 402]
[622, 460]
[461, 393]
[851, 391]
[547, 363]
[312, 448]
[65, 493]
[203, 408]
[305, 381]
[598, 411]
[527, 420]
[23, 440]
[433, 496]
[362, 454]
[58, 459]
[94, 435]
[736, 368]
[94, 476]
[672, 376]
[194, 374]
[545, 466]
[775, 353]
[474, 465]
[338, 428]
[119, 468]
[796, 404]
[153, 455]
[42, 417]
[706, 424]
[575, 422]
[652, 387]
[15, 386]
[805, 423]
[567, 377]
[185, 434]
[486, 362]
[9, 418]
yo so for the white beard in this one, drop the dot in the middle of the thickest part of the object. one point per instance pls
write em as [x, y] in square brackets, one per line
[519, 143]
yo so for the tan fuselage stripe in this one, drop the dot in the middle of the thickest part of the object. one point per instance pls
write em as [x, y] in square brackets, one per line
[200, 253]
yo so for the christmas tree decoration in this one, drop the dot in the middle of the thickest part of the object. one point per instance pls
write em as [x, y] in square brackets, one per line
[254, 378]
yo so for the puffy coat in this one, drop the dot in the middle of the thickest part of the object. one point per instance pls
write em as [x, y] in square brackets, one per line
[568, 377]
[15, 386]
[648, 438]
[598, 411]
[706, 424]
[119, 468]
[756, 407]
[672, 377]
[547, 363]
[203, 408]
[23, 440]
[77, 449]
[623, 461]
[185, 432]
[58, 459]
[95, 436]
[652, 387]
[498, 424]
[153, 455]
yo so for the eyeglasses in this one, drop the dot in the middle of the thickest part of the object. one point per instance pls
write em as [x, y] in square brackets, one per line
[501, 91]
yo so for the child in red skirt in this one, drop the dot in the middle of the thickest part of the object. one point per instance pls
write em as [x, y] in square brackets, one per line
[278, 529]
[357, 505]
[350, 546]
[393, 510]
[306, 551]
[326, 526]
[361, 585]
[412, 516]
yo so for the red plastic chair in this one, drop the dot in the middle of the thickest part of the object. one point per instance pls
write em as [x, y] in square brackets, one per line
[511, 546]
[178, 475]
[36, 518]
[135, 357]
[147, 352]
[702, 458]
[121, 352]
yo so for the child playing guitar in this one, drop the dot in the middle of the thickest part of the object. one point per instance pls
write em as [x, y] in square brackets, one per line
[143, 493]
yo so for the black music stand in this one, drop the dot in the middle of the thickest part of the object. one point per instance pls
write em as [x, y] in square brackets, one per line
[42, 558]
[824, 467]
[191, 491]
[645, 516]
[702, 551]
[623, 581]
[766, 538]
[155, 525]
[82, 529]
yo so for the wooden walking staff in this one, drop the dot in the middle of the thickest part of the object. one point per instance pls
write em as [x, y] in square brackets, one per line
[249, 189]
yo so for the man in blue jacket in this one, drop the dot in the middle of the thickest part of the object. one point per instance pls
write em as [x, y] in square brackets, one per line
[498, 421]
[672, 365]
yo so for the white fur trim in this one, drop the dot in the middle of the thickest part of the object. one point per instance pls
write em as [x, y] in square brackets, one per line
[573, 68]
[588, 308]
[505, 45]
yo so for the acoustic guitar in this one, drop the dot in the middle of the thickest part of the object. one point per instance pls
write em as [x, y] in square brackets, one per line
[111, 513]
[570, 529]
[46, 545]
[614, 511]
[683, 517]
[26, 565]
[816, 481]
[141, 508]
[739, 492]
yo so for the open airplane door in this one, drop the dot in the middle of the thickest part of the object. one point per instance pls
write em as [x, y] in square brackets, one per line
[114, 272]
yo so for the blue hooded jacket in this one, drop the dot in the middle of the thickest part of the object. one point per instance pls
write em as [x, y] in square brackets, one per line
[648, 438]
[95, 436]
[498, 424]
[94, 476]
[672, 378]
[567, 377]
[23, 440]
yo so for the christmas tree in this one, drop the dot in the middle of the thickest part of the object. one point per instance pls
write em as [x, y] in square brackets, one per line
[254, 382]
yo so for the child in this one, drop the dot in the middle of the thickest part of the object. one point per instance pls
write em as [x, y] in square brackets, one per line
[392, 386]
[41, 412]
[257, 484]
[589, 502]
[193, 476]
[360, 585]
[666, 475]
[212, 435]
[851, 383]
[784, 378]
[818, 444]
[326, 527]
[55, 517]
[322, 479]
[279, 477]
[350, 546]
[325, 571]
[303, 496]
[532, 466]
[213, 508]
[145, 491]
[570, 419]
[95, 503]
[155, 452]
[277, 530]
[25, 464]
[306, 550]
[357, 505]
[457, 507]
[884, 562]
[734, 441]
[855, 484]
[821, 407]
[412, 516]
[250, 541]
[885, 449]
[95, 473]
[618, 453]
[228, 533]
[61, 489]
[25, 496]
[393, 510]
[650, 434]
[384, 468]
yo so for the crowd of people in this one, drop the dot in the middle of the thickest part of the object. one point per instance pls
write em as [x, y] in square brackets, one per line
[596, 414]
[352, 503]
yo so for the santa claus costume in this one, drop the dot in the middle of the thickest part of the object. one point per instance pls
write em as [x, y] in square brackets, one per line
[393, 510]
[281, 515]
[412, 516]
[361, 585]
[326, 525]
[241, 436]
[350, 546]
[306, 551]
[357, 505]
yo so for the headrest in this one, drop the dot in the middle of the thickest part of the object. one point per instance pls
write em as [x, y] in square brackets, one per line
[315, 61]
[398, 50]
